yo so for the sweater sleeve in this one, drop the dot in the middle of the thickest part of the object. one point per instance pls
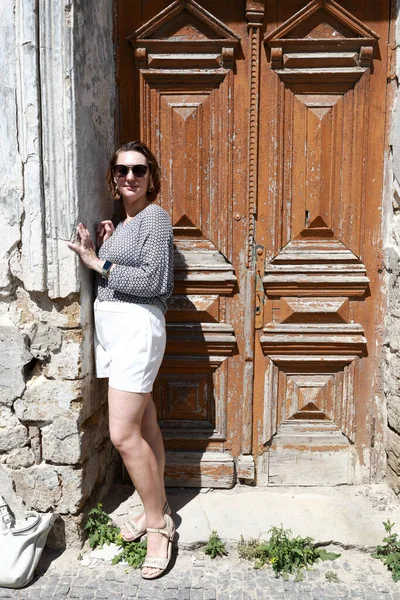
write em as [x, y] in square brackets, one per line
[154, 276]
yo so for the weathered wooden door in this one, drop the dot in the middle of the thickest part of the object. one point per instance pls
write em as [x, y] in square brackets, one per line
[268, 119]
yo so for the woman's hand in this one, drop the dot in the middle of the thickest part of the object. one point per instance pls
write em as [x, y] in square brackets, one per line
[85, 249]
[105, 229]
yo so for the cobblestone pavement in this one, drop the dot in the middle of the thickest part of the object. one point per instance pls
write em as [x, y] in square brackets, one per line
[193, 576]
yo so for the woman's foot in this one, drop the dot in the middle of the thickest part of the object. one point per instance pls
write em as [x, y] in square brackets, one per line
[134, 529]
[159, 549]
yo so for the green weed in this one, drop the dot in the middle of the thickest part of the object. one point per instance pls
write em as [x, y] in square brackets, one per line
[215, 546]
[248, 549]
[286, 554]
[389, 553]
[101, 530]
[133, 553]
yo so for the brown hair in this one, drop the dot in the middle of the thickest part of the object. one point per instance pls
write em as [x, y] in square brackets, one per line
[154, 178]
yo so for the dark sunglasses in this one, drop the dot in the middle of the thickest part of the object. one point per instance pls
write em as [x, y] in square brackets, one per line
[138, 171]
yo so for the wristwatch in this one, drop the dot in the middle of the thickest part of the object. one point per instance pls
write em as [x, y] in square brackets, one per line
[105, 272]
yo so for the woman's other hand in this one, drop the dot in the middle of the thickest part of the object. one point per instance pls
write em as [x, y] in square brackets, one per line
[105, 229]
[84, 248]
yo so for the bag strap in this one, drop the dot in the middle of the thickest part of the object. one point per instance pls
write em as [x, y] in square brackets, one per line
[29, 526]
[7, 520]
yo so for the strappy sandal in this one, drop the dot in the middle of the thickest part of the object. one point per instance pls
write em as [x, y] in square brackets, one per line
[160, 563]
[136, 531]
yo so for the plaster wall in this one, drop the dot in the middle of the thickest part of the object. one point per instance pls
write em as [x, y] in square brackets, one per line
[57, 129]
[392, 265]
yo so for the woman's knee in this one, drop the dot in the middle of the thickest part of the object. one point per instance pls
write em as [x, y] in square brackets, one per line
[125, 439]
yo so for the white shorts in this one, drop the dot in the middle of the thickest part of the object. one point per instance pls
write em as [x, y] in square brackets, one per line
[129, 344]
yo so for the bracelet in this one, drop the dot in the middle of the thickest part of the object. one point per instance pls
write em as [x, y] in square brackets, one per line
[105, 272]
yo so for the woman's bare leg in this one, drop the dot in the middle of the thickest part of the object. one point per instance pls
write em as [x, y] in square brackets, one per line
[126, 411]
[152, 434]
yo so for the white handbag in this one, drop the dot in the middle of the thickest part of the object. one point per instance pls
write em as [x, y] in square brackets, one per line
[21, 547]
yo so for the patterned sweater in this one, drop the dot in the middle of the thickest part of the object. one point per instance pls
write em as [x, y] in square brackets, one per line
[142, 251]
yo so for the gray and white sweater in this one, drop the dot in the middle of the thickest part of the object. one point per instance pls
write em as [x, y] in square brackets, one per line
[142, 251]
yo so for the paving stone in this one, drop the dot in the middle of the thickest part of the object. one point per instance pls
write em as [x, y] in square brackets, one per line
[197, 582]
[196, 594]
[225, 579]
[224, 584]
[78, 591]
[130, 591]
[249, 595]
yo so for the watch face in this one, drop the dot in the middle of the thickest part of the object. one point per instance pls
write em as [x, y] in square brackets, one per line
[106, 269]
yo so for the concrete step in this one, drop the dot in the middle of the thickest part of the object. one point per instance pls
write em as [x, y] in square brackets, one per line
[351, 516]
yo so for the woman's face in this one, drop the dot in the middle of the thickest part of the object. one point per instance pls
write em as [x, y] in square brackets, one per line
[132, 183]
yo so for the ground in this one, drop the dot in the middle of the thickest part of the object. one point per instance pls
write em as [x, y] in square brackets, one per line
[348, 518]
[193, 576]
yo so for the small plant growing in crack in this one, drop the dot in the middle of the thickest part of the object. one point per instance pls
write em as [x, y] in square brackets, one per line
[102, 531]
[389, 552]
[215, 546]
[286, 554]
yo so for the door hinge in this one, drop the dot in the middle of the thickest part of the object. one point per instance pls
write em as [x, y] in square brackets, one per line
[260, 294]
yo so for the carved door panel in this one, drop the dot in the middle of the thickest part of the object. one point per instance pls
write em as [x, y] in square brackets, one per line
[322, 143]
[268, 119]
[180, 88]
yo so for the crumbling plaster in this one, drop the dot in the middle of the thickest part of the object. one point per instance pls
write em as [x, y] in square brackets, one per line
[391, 236]
[57, 87]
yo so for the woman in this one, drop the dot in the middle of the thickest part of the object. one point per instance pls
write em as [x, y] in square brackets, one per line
[134, 281]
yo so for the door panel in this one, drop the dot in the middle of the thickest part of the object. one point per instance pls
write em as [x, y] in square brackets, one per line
[325, 76]
[184, 66]
[268, 119]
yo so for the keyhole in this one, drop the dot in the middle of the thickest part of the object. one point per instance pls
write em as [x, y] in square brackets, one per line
[307, 218]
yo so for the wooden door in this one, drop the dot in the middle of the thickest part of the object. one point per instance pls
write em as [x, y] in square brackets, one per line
[268, 119]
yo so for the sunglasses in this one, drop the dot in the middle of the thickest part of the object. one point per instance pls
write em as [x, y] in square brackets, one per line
[138, 171]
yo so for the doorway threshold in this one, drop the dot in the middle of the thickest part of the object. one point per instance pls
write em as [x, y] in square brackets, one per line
[350, 516]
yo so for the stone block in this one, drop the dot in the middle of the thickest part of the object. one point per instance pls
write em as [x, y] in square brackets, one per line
[20, 458]
[391, 259]
[5, 278]
[393, 412]
[32, 308]
[36, 442]
[61, 442]
[44, 340]
[12, 433]
[14, 356]
[60, 488]
[66, 531]
[393, 480]
[46, 400]
[8, 491]
[66, 364]
[39, 486]
[95, 430]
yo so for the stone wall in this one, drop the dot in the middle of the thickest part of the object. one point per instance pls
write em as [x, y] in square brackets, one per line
[57, 129]
[392, 265]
